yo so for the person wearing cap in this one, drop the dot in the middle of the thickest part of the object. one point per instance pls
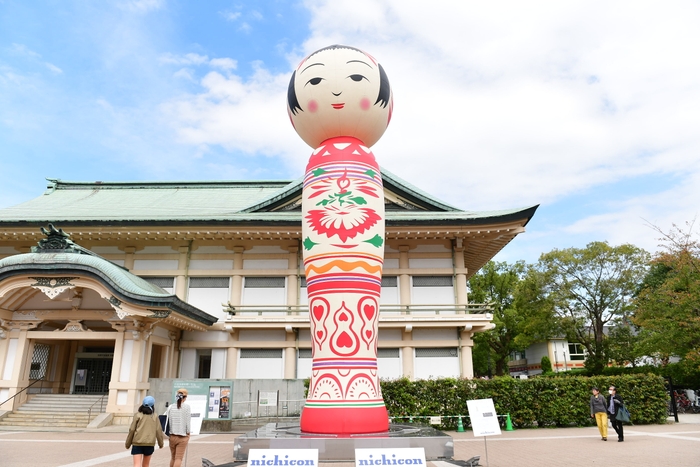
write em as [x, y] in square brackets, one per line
[144, 431]
[179, 420]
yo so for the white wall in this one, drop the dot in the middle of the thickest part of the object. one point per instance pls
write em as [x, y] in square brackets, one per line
[218, 364]
[431, 367]
[260, 368]
[188, 363]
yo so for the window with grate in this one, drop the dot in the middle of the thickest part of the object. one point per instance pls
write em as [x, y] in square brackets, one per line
[432, 281]
[302, 282]
[209, 282]
[162, 282]
[261, 353]
[264, 282]
[436, 352]
[388, 353]
[304, 353]
[390, 281]
[40, 361]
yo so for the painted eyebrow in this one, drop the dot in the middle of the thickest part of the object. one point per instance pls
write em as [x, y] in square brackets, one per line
[313, 64]
[359, 61]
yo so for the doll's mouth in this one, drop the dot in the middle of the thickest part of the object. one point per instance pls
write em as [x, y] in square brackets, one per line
[338, 106]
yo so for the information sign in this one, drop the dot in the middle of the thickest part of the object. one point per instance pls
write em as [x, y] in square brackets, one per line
[482, 415]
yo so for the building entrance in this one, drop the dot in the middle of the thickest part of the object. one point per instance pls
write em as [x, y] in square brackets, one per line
[92, 373]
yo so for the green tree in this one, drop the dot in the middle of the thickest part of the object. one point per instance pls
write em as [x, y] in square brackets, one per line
[589, 288]
[501, 284]
[668, 302]
[625, 344]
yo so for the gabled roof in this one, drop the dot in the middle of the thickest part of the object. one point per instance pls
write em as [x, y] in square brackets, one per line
[216, 203]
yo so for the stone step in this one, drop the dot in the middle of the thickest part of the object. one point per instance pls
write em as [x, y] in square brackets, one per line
[31, 423]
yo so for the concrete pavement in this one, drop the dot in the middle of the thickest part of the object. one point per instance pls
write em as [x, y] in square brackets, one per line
[672, 444]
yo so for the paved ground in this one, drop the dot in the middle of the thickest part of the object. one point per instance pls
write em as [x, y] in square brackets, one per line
[673, 444]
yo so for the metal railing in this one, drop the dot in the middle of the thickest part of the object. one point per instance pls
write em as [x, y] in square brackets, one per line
[101, 401]
[24, 389]
[242, 311]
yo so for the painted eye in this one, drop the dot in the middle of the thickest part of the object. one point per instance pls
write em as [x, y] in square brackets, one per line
[357, 78]
[314, 81]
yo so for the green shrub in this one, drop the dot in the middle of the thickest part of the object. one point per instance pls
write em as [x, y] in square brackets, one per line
[546, 364]
[531, 402]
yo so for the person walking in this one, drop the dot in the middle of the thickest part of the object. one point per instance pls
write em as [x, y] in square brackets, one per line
[179, 420]
[599, 412]
[144, 431]
[614, 404]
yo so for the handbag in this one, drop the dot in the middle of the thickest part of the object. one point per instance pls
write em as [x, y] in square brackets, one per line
[623, 415]
[165, 422]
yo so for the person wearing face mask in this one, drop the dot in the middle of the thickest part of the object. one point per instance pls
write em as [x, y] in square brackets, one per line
[179, 419]
[614, 403]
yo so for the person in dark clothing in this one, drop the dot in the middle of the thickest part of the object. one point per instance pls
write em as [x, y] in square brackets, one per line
[614, 404]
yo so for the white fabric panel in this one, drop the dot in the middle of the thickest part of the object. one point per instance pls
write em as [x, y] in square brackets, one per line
[390, 368]
[265, 264]
[260, 368]
[432, 296]
[429, 263]
[188, 363]
[391, 263]
[10, 359]
[392, 334]
[210, 300]
[303, 296]
[212, 249]
[390, 296]
[155, 264]
[218, 364]
[436, 367]
[200, 264]
[304, 367]
[127, 352]
[264, 296]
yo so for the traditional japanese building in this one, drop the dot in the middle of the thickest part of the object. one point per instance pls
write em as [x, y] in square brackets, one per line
[205, 280]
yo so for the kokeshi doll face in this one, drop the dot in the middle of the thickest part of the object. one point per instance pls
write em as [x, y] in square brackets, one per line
[339, 91]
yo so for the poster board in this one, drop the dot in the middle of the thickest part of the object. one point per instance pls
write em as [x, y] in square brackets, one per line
[483, 417]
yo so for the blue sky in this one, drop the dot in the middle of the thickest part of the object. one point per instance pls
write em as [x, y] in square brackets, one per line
[590, 109]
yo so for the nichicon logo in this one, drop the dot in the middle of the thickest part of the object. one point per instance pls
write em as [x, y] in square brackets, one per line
[372, 457]
[283, 458]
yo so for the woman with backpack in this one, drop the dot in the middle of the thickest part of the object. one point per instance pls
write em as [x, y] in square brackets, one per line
[144, 432]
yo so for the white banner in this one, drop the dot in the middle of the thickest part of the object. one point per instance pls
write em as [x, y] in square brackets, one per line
[483, 417]
[283, 457]
[403, 456]
[198, 408]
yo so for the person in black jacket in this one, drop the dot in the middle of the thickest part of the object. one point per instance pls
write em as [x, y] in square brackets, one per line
[614, 404]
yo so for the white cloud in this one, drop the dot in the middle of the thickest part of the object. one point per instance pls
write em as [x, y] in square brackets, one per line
[187, 59]
[223, 63]
[230, 15]
[53, 68]
[21, 49]
[141, 6]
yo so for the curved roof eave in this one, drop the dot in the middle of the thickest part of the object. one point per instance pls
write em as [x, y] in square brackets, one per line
[139, 292]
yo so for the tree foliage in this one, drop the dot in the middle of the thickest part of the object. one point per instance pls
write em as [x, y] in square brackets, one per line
[501, 285]
[589, 288]
[668, 302]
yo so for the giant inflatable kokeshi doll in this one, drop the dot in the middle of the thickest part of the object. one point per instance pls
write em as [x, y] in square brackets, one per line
[340, 103]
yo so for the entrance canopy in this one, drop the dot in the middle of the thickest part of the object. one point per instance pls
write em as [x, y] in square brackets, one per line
[62, 280]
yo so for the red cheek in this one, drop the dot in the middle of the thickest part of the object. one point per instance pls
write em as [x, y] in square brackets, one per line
[312, 106]
[364, 104]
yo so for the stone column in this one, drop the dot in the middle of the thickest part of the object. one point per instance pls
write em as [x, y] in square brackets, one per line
[183, 267]
[237, 277]
[407, 353]
[116, 365]
[460, 272]
[292, 279]
[290, 355]
[466, 344]
[232, 356]
[404, 278]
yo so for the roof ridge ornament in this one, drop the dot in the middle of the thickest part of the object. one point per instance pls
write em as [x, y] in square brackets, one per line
[56, 239]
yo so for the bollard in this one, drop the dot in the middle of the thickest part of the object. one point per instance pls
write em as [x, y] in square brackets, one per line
[509, 424]
[460, 426]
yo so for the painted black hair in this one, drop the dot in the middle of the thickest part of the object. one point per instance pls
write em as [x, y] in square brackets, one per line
[146, 410]
[384, 86]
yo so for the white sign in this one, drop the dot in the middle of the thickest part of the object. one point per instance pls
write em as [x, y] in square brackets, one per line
[268, 398]
[483, 417]
[436, 420]
[198, 409]
[405, 456]
[282, 457]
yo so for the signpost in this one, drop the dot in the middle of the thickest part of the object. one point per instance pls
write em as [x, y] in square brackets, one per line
[484, 419]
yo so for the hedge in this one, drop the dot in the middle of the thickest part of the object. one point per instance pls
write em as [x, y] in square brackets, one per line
[540, 401]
